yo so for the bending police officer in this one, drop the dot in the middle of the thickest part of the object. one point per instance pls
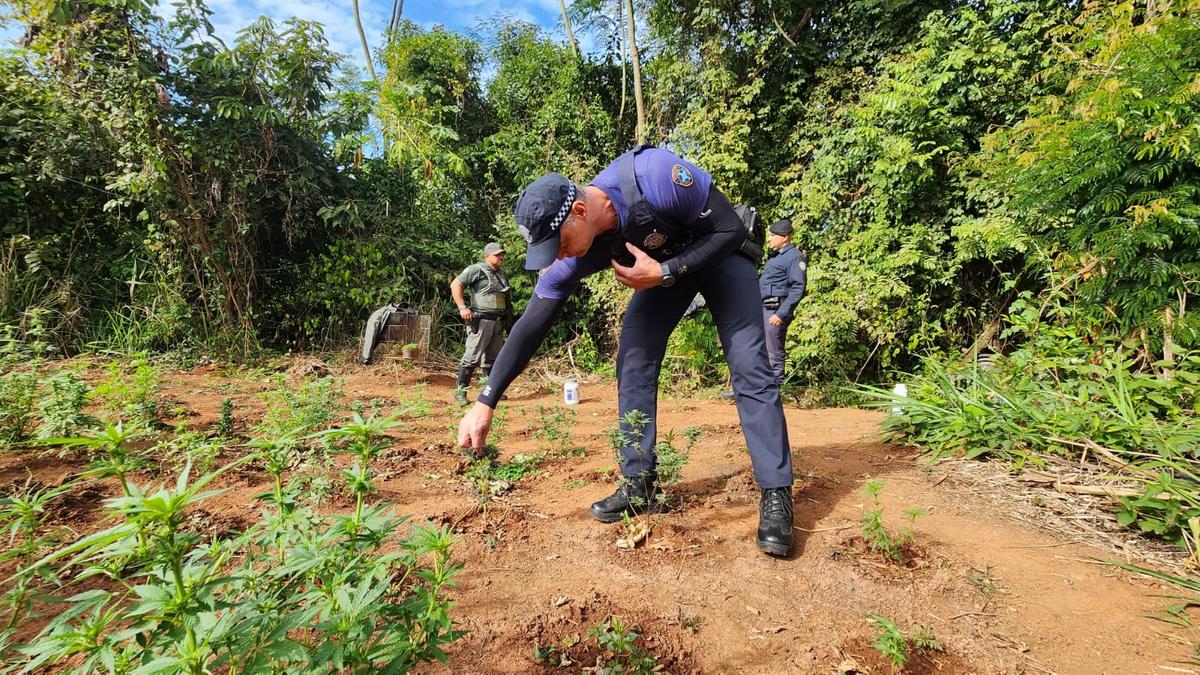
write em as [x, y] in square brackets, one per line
[484, 317]
[782, 287]
[667, 233]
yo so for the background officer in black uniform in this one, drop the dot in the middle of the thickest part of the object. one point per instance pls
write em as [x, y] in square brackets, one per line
[781, 286]
[666, 232]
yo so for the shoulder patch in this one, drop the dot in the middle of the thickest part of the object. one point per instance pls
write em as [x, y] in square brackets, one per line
[682, 176]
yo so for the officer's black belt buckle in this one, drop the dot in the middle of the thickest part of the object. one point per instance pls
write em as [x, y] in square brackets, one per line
[771, 303]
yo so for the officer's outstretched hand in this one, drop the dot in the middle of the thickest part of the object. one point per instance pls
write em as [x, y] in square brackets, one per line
[474, 427]
[646, 272]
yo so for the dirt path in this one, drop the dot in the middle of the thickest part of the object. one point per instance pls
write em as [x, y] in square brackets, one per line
[999, 596]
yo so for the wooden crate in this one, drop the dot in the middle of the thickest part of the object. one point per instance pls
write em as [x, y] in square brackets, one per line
[405, 327]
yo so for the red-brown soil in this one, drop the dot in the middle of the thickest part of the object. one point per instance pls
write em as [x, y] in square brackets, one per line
[999, 596]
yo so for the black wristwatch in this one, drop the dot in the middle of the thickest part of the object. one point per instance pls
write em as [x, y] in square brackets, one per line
[668, 279]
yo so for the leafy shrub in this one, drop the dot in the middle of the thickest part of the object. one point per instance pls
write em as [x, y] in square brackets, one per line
[1067, 390]
[63, 399]
[296, 591]
[878, 537]
[18, 394]
[898, 646]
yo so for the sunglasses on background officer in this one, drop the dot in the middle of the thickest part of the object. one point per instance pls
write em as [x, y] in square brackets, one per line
[667, 233]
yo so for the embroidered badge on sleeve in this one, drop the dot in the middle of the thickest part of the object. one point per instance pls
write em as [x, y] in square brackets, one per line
[682, 176]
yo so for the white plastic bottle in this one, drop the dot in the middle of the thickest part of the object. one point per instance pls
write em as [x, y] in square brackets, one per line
[571, 392]
[902, 391]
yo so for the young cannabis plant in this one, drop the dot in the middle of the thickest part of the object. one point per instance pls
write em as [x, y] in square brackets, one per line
[110, 453]
[878, 537]
[897, 646]
[22, 515]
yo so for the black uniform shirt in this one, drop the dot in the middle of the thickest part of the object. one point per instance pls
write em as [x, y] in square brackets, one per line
[785, 276]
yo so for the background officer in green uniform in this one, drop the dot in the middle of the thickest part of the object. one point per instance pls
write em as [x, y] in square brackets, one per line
[781, 286]
[484, 317]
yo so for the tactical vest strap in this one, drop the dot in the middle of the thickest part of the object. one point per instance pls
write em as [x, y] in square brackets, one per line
[640, 214]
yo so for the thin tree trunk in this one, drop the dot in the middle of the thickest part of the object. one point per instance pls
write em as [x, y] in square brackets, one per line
[567, 24]
[362, 37]
[624, 58]
[397, 10]
[630, 22]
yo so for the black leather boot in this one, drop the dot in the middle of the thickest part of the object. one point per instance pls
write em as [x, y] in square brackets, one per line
[775, 521]
[635, 496]
[460, 387]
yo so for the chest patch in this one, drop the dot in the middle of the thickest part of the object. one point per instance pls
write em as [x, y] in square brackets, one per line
[682, 176]
[654, 240]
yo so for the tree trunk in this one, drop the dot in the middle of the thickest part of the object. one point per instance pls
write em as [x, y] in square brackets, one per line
[397, 10]
[630, 22]
[567, 24]
[362, 37]
[624, 59]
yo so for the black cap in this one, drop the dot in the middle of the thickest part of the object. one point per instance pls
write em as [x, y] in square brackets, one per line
[541, 210]
[781, 227]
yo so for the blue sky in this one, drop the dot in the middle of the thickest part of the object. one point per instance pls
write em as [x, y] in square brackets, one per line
[229, 16]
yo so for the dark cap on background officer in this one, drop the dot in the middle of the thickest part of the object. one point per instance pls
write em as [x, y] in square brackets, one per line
[781, 287]
[657, 221]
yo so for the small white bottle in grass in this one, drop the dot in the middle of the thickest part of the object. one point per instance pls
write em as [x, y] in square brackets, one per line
[571, 392]
[900, 390]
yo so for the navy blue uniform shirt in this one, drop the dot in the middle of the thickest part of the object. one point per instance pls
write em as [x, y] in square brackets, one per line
[675, 189]
[785, 276]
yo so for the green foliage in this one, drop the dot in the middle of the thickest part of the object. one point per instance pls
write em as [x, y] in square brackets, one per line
[671, 460]
[897, 646]
[878, 537]
[131, 391]
[225, 421]
[295, 410]
[18, 396]
[556, 430]
[296, 590]
[61, 405]
[1102, 169]
[623, 654]
[1070, 389]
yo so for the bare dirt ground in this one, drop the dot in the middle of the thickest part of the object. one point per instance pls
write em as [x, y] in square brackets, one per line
[1001, 596]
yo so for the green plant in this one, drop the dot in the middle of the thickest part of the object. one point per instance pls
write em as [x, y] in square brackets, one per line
[22, 514]
[18, 397]
[555, 430]
[225, 421]
[623, 654]
[671, 460]
[876, 535]
[110, 453]
[187, 446]
[297, 410]
[131, 390]
[295, 591]
[896, 646]
[1068, 392]
[63, 400]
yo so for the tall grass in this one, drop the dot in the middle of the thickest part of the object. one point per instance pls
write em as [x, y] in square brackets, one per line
[1026, 408]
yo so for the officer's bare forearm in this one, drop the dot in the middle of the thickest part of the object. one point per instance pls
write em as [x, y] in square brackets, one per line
[523, 341]
[456, 290]
[720, 233]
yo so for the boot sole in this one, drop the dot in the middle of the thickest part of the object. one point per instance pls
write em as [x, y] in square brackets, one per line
[774, 549]
[620, 515]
